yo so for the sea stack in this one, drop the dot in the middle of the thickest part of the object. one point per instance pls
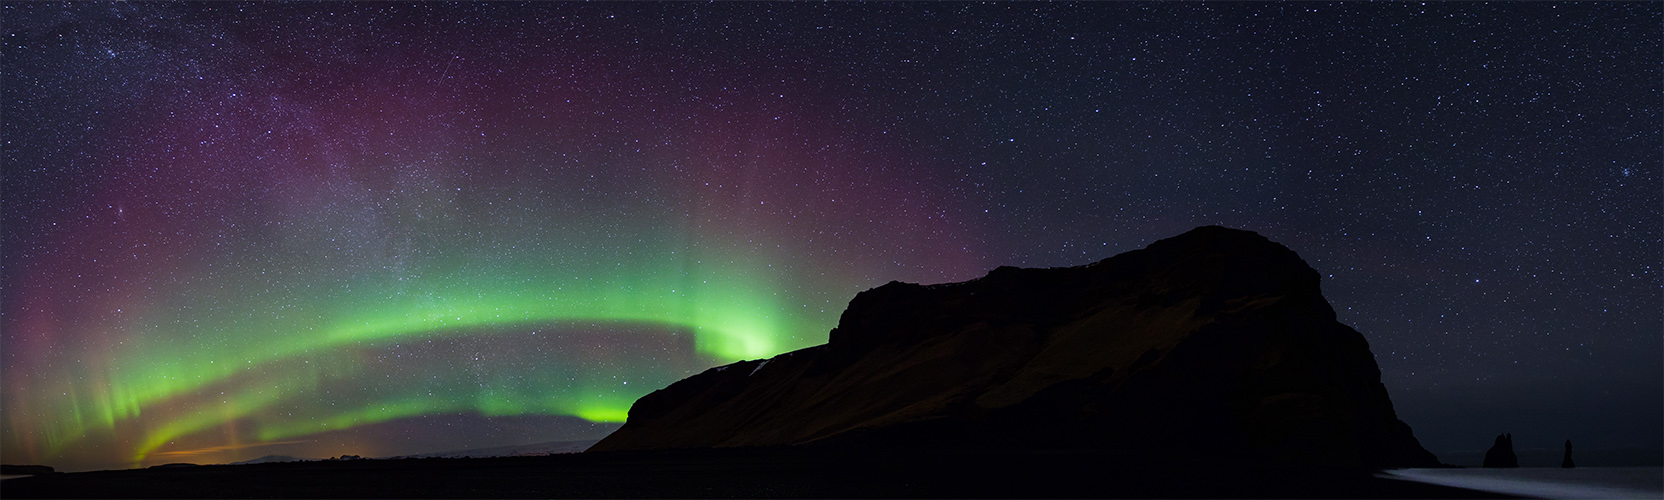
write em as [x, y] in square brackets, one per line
[1213, 345]
[1566, 462]
[1501, 454]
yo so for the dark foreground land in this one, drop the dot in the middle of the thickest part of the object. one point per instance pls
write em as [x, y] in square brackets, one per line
[770, 473]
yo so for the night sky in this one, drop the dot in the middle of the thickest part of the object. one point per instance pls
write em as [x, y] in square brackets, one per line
[235, 230]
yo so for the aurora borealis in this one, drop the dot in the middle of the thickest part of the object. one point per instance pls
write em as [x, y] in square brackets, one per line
[269, 250]
[234, 230]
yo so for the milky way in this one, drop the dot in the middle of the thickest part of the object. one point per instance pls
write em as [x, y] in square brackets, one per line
[243, 229]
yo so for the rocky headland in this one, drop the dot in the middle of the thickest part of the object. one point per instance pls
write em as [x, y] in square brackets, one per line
[1216, 345]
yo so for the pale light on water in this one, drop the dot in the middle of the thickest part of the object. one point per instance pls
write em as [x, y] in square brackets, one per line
[1546, 482]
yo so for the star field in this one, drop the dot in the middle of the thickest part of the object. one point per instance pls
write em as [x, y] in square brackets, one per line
[233, 230]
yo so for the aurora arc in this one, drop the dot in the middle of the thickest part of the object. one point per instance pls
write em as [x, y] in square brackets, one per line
[718, 330]
[729, 320]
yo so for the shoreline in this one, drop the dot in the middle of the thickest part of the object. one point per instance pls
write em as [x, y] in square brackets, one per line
[755, 473]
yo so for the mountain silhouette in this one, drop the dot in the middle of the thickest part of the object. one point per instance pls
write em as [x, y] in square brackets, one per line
[1215, 345]
[272, 459]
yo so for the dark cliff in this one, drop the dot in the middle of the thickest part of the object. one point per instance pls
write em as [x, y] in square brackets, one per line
[1216, 345]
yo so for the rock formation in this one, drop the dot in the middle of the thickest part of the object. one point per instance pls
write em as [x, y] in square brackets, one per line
[1501, 453]
[1566, 462]
[1213, 345]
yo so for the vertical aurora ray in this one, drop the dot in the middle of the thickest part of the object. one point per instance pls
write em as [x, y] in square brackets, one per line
[303, 242]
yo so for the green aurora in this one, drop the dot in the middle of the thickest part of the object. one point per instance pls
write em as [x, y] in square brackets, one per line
[258, 356]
